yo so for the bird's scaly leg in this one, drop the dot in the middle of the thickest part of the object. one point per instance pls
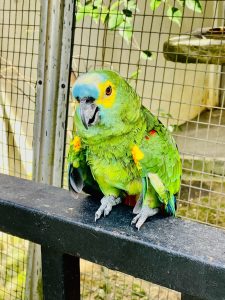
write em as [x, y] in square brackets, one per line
[142, 208]
[142, 216]
[107, 203]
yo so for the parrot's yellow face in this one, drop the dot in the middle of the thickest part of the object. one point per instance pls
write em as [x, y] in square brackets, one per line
[107, 94]
[105, 102]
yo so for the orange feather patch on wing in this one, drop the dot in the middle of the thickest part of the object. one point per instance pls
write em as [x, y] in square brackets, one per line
[76, 143]
[137, 156]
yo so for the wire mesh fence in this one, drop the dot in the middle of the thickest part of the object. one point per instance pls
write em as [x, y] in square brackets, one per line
[188, 97]
[19, 39]
[12, 267]
[136, 40]
[19, 29]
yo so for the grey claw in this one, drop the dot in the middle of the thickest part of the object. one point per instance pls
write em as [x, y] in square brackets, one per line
[140, 218]
[107, 211]
[97, 215]
[141, 221]
[134, 220]
[107, 203]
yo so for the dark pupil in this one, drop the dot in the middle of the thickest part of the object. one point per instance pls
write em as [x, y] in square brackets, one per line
[108, 90]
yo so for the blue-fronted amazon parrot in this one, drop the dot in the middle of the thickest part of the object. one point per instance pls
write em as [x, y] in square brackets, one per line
[120, 148]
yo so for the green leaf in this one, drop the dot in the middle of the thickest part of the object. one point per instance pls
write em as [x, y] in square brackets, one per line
[127, 13]
[115, 5]
[174, 14]
[79, 16]
[126, 31]
[115, 19]
[95, 14]
[162, 113]
[104, 14]
[97, 3]
[135, 74]
[82, 11]
[194, 5]
[154, 4]
[132, 5]
[146, 54]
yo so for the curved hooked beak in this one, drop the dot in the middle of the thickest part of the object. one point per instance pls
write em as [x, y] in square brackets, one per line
[89, 112]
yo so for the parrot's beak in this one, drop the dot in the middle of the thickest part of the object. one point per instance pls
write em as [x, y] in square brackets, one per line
[89, 112]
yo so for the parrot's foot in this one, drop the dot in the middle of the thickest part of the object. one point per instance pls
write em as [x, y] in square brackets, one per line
[107, 203]
[142, 216]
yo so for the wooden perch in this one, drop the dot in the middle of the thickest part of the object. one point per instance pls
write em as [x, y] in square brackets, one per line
[205, 46]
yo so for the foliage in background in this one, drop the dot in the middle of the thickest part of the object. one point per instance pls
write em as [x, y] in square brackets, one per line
[13, 251]
[118, 15]
[175, 9]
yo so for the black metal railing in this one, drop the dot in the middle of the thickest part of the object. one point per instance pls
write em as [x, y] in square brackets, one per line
[182, 255]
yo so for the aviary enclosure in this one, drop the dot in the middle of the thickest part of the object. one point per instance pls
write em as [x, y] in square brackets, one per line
[172, 52]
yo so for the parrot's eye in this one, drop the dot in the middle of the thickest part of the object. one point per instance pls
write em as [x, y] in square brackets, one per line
[78, 99]
[108, 90]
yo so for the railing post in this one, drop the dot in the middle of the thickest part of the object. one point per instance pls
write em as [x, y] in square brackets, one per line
[55, 48]
[61, 275]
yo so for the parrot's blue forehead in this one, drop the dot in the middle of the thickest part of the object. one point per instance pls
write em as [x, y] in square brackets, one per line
[87, 85]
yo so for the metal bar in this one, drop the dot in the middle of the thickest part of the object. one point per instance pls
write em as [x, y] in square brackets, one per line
[50, 95]
[33, 272]
[52, 273]
[61, 275]
[49, 63]
[64, 88]
[40, 88]
[71, 277]
[181, 255]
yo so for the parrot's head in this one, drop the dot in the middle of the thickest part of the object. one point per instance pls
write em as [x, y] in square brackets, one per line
[106, 104]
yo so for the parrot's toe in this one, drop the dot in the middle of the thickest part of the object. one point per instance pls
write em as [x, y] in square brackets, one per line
[141, 217]
[107, 203]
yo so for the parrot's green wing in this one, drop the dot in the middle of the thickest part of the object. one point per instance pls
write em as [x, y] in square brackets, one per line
[80, 177]
[159, 163]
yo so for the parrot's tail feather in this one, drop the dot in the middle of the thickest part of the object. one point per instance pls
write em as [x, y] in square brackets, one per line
[171, 206]
[74, 179]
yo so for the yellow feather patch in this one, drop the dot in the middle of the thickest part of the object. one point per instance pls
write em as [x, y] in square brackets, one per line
[137, 155]
[106, 101]
[76, 143]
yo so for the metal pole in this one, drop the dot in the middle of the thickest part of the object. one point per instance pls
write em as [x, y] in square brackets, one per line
[64, 89]
[61, 275]
[50, 113]
[47, 96]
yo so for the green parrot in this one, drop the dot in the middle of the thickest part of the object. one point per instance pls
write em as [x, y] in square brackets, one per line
[120, 148]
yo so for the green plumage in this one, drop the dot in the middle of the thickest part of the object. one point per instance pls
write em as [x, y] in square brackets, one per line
[128, 150]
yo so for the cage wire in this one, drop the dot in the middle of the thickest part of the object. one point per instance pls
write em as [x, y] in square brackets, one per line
[128, 37]
[19, 40]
